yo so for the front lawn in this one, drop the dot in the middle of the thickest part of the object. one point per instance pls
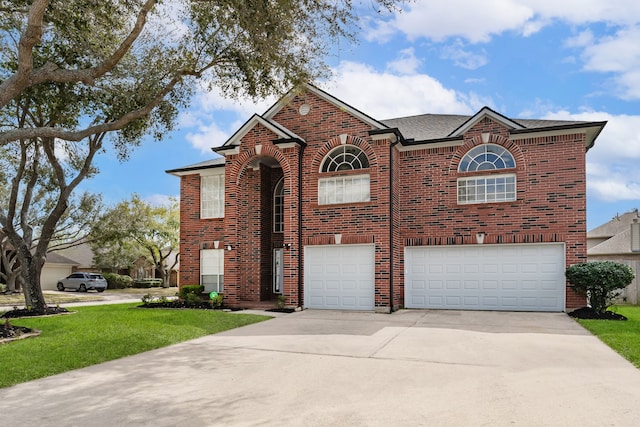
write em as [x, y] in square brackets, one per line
[622, 336]
[96, 334]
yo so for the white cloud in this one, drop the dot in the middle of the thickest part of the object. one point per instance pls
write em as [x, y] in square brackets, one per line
[618, 54]
[612, 171]
[464, 58]
[207, 136]
[479, 21]
[407, 63]
[384, 95]
[474, 21]
[160, 199]
[582, 39]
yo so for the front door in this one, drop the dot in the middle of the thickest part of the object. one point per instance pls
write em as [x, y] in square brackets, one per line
[278, 271]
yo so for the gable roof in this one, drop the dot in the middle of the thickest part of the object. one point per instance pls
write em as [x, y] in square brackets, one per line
[218, 162]
[427, 128]
[275, 108]
[54, 258]
[618, 244]
[272, 125]
[616, 225]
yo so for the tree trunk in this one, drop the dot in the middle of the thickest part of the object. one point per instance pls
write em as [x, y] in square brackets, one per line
[30, 272]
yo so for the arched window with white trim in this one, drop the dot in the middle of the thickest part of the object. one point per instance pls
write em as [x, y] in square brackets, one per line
[487, 188]
[344, 188]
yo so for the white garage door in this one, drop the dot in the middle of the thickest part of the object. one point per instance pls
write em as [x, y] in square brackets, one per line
[339, 277]
[51, 273]
[486, 277]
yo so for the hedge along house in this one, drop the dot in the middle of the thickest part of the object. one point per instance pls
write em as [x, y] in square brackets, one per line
[333, 209]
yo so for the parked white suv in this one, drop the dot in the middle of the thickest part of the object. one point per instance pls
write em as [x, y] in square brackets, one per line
[83, 282]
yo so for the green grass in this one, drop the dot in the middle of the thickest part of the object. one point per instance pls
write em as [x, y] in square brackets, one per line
[97, 334]
[623, 337]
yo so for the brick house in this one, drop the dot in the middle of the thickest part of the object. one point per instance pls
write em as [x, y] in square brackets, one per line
[331, 208]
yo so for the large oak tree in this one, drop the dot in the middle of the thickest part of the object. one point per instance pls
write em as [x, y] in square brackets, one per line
[78, 77]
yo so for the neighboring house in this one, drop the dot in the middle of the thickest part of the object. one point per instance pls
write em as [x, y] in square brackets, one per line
[612, 241]
[334, 209]
[56, 267]
[83, 255]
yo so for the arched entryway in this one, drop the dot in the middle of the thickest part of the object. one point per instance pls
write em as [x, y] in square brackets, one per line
[261, 229]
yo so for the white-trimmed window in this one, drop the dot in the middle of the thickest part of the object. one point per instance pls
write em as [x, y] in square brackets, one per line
[345, 188]
[212, 196]
[212, 270]
[486, 157]
[345, 158]
[486, 189]
[278, 207]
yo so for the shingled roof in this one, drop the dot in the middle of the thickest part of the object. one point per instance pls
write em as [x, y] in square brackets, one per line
[424, 127]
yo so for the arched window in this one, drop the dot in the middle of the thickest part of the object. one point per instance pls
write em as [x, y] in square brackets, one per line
[344, 188]
[486, 157]
[278, 207]
[487, 188]
[345, 158]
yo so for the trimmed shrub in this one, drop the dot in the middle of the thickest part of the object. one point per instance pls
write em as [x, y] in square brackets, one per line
[599, 281]
[147, 283]
[117, 281]
[190, 289]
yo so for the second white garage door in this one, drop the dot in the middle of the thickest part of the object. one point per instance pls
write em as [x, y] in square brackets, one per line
[339, 277]
[528, 277]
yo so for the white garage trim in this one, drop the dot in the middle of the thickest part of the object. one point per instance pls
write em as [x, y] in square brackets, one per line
[515, 277]
[339, 277]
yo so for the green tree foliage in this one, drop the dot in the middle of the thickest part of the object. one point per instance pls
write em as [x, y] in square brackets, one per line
[78, 77]
[600, 281]
[135, 228]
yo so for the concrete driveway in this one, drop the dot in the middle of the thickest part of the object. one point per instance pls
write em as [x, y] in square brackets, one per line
[317, 368]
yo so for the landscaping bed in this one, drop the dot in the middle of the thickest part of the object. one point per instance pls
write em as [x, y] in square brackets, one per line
[590, 313]
[25, 312]
[204, 305]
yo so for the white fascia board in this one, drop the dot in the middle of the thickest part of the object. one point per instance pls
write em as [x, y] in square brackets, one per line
[274, 127]
[428, 146]
[486, 112]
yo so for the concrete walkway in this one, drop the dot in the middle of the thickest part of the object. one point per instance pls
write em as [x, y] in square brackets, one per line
[321, 368]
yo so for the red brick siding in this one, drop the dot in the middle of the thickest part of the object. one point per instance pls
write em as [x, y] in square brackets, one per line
[195, 233]
[550, 205]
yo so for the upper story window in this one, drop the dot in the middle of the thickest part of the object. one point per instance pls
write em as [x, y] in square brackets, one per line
[345, 158]
[486, 157]
[212, 196]
[344, 188]
[487, 188]
[278, 207]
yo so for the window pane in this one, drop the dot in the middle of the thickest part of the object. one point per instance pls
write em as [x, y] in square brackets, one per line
[487, 189]
[212, 196]
[486, 157]
[349, 189]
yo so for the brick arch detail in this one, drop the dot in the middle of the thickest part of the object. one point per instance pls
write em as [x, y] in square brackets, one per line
[474, 141]
[240, 163]
[335, 142]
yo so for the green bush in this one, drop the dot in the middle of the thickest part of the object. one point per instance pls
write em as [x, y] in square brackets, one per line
[147, 283]
[190, 289]
[599, 281]
[117, 281]
[193, 299]
[3, 288]
[217, 300]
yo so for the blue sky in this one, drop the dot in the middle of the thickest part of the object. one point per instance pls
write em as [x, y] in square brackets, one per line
[569, 59]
